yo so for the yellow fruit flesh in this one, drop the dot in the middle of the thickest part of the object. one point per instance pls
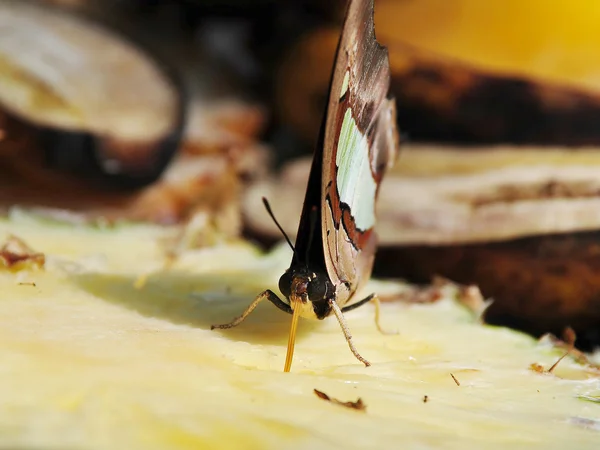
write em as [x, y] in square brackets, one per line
[89, 361]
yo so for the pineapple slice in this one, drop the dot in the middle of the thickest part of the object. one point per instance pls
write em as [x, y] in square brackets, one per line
[89, 361]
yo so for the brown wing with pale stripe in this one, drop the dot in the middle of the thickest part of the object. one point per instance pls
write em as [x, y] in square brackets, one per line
[360, 142]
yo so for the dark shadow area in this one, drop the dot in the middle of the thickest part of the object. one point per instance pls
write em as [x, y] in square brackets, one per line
[198, 301]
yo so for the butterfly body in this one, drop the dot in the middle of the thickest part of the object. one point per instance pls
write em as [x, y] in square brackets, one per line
[336, 239]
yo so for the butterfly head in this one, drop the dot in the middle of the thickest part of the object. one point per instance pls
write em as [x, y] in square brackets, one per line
[308, 293]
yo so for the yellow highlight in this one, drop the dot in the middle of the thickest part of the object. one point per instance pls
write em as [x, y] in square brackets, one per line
[551, 39]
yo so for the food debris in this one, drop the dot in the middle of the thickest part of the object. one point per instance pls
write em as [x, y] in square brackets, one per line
[425, 398]
[455, 380]
[472, 298]
[567, 343]
[469, 296]
[535, 367]
[551, 369]
[569, 337]
[427, 294]
[15, 254]
[27, 283]
[358, 404]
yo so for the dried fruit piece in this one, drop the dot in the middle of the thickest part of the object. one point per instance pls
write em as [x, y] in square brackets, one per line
[16, 255]
[358, 404]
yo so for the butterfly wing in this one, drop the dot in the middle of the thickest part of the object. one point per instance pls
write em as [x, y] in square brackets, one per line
[360, 142]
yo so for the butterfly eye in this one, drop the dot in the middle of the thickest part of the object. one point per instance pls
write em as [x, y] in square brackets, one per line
[317, 290]
[285, 284]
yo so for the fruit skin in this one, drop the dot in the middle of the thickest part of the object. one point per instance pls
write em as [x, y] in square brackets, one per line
[540, 283]
[82, 155]
[445, 100]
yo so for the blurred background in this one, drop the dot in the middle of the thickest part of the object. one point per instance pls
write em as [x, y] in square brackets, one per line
[187, 112]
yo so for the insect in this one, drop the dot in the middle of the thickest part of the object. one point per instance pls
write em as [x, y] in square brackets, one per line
[336, 241]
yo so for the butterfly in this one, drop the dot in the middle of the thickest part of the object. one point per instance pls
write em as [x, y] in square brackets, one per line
[336, 240]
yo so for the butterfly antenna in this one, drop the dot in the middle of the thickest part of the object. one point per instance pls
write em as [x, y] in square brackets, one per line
[270, 211]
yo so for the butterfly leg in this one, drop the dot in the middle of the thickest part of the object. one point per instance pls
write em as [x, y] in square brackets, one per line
[340, 317]
[269, 295]
[377, 303]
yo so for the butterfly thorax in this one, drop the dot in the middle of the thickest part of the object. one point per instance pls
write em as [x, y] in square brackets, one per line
[309, 290]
